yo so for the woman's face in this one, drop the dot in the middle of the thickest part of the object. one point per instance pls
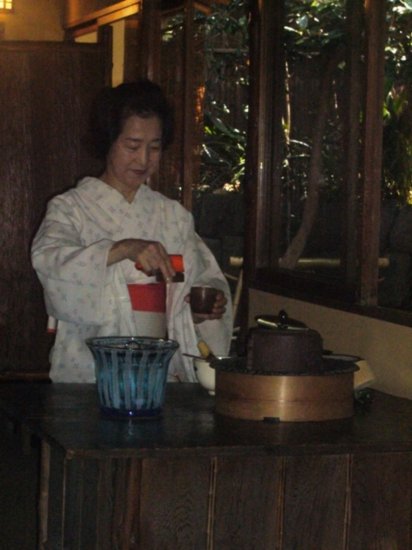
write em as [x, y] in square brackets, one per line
[135, 155]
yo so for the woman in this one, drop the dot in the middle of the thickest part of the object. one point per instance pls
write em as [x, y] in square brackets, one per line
[93, 236]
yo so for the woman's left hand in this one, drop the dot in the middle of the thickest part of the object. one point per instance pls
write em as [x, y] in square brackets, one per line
[219, 308]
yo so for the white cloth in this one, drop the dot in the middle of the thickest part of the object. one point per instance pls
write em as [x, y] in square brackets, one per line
[88, 298]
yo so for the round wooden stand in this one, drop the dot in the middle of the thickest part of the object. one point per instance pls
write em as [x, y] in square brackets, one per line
[288, 398]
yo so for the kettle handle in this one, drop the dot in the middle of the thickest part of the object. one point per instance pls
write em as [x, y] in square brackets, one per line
[282, 323]
[283, 319]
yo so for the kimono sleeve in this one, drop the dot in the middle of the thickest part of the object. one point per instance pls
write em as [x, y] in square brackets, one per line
[72, 271]
[201, 268]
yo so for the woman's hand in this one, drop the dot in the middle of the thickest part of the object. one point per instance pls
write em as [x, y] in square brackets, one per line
[219, 308]
[150, 256]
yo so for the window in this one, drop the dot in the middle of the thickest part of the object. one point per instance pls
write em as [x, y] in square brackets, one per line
[6, 5]
[314, 176]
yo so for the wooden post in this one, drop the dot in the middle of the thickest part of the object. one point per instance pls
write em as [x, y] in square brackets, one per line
[148, 51]
[188, 103]
[372, 151]
[105, 38]
[353, 97]
[44, 495]
[131, 48]
[265, 144]
[150, 40]
[264, 148]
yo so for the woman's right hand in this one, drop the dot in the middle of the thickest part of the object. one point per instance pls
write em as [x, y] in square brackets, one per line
[150, 256]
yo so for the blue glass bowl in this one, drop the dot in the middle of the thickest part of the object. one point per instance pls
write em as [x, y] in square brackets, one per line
[131, 373]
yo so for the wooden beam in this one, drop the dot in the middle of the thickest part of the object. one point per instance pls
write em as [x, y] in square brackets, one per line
[174, 4]
[331, 263]
[118, 15]
[81, 31]
[205, 6]
[114, 12]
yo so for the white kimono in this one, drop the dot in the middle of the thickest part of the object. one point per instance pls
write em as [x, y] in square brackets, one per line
[88, 298]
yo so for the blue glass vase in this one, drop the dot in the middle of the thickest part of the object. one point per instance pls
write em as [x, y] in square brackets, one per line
[131, 374]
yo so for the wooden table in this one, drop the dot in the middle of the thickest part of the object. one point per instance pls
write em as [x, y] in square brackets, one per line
[195, 480]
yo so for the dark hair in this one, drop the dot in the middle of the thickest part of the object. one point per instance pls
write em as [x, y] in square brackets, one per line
[113, 106]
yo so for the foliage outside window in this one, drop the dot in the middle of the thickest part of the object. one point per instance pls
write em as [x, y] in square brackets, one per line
[226, 99]
[397, 162]
[317, 27]
[222, 91]
[315, 34]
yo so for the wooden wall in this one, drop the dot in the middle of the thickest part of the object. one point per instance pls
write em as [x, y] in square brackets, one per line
[45, 93]
[39, 20]
[354, 501]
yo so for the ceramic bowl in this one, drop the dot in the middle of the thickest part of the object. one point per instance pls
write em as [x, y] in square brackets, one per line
[364, 376]
[131, 374]
[205, 375]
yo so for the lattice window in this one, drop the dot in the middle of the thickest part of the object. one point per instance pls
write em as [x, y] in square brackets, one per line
[6, 5]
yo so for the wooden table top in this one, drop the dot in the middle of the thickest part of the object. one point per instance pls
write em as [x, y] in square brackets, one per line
[68, 415]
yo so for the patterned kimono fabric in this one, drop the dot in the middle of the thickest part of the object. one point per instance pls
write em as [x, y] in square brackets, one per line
[88, 298]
